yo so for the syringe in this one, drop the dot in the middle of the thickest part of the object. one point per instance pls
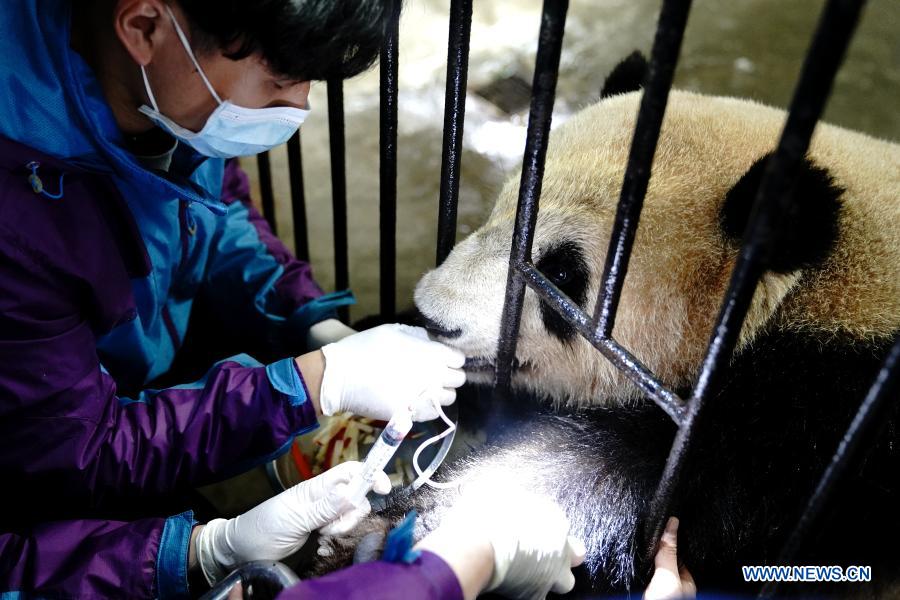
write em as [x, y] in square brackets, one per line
[382, 451]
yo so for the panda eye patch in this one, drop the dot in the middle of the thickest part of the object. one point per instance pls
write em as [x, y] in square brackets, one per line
[565, 266]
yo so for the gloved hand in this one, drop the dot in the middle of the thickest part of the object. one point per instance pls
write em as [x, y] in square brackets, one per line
[281, 525]
[533, 551]
[326, 332]
[380, 371]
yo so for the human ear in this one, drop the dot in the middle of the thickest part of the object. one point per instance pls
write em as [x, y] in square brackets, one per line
[137, 24]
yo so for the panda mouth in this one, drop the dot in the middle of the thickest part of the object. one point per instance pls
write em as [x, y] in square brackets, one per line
[473, 364]
[435, 329]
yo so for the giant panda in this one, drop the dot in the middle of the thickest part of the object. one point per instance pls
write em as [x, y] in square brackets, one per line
[819, 326]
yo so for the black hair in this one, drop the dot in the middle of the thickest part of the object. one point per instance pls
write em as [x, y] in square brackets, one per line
[299, 39]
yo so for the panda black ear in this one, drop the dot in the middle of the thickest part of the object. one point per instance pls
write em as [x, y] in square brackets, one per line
[808, 231]
[628, 76]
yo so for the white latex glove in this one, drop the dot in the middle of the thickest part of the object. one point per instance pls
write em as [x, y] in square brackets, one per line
[326, 332]
[380, 371]
[533, 551]
[281, 525]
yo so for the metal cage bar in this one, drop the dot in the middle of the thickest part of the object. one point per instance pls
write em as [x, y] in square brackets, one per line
[673, 19]
[388, 166]
[546, 69]
[819, 69]
[265, 190]
[298, 198]
[615, 353]
[454, 120]
[338, 187]
[663, 58]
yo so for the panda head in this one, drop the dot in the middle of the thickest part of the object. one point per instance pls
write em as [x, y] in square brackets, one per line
[709, 162]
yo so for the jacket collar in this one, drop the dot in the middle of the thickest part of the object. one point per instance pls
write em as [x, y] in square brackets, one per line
[56, 104]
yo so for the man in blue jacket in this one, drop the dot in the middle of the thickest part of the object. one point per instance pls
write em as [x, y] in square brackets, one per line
[115, 120]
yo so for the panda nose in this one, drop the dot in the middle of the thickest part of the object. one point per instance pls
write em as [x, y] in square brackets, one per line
[436, 329]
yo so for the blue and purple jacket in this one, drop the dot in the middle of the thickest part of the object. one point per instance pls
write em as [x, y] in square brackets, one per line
[426, 578]
[101, 263]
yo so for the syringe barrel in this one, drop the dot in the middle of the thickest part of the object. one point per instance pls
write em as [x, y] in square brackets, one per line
[380, 454]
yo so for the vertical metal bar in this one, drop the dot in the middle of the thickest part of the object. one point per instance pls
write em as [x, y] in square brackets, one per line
[451, 155]
[866, 424]
[663, 58]
[454, 120]
[816, 77]
[265, 189]
[546, 69]
[388, 167]
[298, 198]
[338, 187]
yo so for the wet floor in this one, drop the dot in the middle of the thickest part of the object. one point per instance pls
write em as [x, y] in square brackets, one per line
[748, 48]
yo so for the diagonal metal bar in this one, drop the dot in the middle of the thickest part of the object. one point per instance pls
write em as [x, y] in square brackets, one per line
[609, 348]
[553, 21]
[454, 120]
[817, 75]
[866, 424]
[663, 58]
[298, 198]
[338, 187]
[265, 190]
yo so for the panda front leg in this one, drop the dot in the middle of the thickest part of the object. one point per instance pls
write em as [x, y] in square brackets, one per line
[366, 541]
[599, 465]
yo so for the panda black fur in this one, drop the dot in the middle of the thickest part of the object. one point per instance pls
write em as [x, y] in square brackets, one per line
[818, 329]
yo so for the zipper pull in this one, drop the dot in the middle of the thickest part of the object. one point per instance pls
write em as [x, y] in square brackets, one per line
[189, 219]
[37, 186]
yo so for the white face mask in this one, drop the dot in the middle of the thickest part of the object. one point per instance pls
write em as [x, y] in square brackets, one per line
[230, 130]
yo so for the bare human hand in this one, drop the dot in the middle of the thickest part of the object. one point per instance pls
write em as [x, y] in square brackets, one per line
[669, 581]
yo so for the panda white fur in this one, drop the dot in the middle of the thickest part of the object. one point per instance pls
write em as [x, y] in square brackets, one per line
[819, 326]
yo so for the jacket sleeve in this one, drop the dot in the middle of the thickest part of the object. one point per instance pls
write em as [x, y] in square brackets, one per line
[253, 275]
[428, 578]
[97, 559]
[64, 426]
